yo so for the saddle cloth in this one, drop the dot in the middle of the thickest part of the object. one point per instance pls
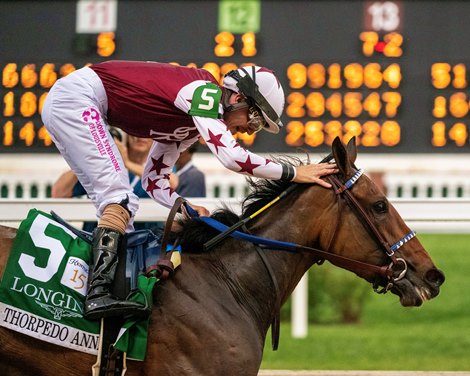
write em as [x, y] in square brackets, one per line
[45, 281]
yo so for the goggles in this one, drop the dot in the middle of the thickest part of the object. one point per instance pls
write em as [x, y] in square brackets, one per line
[256, 121]
[248, 87]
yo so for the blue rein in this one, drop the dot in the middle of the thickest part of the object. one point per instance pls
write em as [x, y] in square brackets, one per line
[287, 246]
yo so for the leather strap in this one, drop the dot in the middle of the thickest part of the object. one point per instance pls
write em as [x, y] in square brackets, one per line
[169, 223]
[276, 320]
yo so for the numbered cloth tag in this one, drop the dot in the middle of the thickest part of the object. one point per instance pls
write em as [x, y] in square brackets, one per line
[44, 285]
[206, 100]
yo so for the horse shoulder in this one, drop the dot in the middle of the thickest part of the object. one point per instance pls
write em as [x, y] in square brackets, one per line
[197, 320]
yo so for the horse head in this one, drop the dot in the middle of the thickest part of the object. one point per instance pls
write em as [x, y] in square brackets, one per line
[367, 228]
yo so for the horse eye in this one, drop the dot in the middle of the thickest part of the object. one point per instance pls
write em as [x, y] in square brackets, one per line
[380, 207]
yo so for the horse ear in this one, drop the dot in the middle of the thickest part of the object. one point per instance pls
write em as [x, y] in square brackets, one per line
[340, 153]
[352, 150]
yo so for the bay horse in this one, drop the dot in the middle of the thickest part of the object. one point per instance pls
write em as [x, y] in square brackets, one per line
[212, 317]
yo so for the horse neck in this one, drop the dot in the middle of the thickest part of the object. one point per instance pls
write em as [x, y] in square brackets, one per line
[301, 222]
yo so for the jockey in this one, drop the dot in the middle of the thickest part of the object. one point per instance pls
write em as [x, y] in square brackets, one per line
[174, 106]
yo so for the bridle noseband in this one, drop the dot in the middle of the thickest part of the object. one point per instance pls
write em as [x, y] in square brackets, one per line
[398, 267]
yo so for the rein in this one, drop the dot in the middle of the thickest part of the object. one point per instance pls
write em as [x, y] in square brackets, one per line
[393, 272]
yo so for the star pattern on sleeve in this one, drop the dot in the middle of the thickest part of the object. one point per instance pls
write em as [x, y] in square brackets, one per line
[215, 140]
[158, 165]
[247, 166]
[170, 190]
[151, 186]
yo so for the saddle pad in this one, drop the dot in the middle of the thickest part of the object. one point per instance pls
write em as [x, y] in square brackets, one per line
[44, 284]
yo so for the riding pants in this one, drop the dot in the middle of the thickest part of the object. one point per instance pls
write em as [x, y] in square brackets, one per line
[74, 114]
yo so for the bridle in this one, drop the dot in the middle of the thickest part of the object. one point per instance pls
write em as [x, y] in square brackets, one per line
[398, 267]
[393, 272]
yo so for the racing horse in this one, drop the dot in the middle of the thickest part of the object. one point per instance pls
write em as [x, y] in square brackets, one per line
[213, 316]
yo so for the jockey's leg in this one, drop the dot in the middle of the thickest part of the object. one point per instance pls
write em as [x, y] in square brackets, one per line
[74, 115]
[106, 241]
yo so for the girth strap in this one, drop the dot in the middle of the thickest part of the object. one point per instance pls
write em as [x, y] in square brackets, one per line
[276, 320]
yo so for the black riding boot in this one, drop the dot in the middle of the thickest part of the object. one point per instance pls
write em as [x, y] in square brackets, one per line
[99, 301]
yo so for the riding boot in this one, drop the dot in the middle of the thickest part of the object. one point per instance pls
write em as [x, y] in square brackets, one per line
[99, 301]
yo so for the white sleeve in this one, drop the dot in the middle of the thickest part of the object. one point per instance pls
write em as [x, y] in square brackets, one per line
[209, 123]
[157, 169]
[233, 156]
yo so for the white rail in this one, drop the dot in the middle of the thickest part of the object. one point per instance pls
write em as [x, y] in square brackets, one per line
[406, 176]
[423, 215]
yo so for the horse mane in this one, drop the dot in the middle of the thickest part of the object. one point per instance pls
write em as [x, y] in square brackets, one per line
[195, 233]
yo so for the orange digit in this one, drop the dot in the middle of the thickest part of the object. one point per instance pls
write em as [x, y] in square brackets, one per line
[390, 134]
[297, 75]
[314, 135]
[28, 104]
[295, 105]
[372, 104]
[44, 136]
[352, 128]
[249, 44]
[27, 133]
[334, 76]
[352, 104]
[370, 39]
[10, 76]
[439, 134]
[371, 132]
[315, 104]
[439, 110]
[440, 75]
[459, 134]
[8, 101]
[334, 105]
[29, 77]
[224, 45]
[295, 131]
[354, 75]
[8, 133]
[316, 75]
[333, 130]
[458, 106]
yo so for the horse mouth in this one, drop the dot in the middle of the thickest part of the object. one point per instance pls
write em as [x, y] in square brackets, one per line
[412, 295]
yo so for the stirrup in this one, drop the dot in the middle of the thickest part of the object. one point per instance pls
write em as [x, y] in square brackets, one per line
[105, 306]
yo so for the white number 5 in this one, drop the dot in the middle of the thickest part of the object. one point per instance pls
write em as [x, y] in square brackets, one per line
[206, 96]
[41, 240]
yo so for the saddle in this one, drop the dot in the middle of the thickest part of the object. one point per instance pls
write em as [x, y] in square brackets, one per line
[140, 253]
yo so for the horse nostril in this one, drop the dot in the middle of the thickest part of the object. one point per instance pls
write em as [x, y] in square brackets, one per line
[434, 276]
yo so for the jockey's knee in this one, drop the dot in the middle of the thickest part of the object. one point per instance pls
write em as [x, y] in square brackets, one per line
[116, 217]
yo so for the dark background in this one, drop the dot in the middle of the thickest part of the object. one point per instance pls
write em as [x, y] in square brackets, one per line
[38, 32]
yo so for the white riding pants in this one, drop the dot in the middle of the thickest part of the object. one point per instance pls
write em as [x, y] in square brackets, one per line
[74, 114]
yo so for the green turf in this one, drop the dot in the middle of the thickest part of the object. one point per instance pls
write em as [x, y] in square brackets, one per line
[435, 336]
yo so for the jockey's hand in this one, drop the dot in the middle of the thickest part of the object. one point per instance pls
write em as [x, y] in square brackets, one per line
[312, 173]
[201, 210]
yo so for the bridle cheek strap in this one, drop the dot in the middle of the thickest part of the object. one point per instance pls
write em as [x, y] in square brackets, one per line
[393, 275]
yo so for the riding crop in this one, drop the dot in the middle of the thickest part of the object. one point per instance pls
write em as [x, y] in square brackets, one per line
[217, 239]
